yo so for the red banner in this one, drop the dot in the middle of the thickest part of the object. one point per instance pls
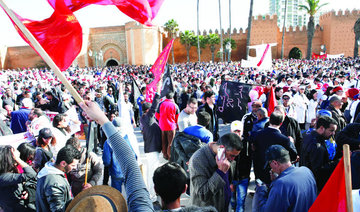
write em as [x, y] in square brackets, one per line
[143, 11]
[60, 35]
[272, 101]
[157, 69]
[317, 56]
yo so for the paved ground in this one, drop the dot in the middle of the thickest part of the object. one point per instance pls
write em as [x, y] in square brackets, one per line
[184, 198]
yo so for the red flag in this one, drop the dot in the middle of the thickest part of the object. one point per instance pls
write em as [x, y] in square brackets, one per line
[143, 11]
[157, 69]
[272, 101]
[332, 197]
[318, 56]
[60, 35]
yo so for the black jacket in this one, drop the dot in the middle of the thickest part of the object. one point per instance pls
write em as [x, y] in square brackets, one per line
[183, 147]
[243, 160]
[51, 106]
[339, 118]
[349, 135]
[314, 155]
[290, 127]
[213, 127]
[150, 128]
[11, 186]
[262, 141]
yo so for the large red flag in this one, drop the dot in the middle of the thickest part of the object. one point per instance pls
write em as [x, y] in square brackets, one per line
[60, 35]
[143, 11]
[272, 101]
[157, 69]
[332, 197]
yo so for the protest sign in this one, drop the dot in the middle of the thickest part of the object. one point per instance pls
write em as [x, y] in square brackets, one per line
[232, 100]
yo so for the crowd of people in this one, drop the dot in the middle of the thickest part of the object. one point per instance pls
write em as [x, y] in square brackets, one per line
[292, 150]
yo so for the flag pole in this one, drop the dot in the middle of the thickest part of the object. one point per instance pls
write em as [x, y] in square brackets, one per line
[41, 52]
[348, 183]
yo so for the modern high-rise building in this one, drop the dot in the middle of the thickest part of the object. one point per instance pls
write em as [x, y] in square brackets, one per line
[294, 15]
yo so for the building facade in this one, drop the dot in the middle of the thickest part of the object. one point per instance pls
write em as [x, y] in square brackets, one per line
[137, 44]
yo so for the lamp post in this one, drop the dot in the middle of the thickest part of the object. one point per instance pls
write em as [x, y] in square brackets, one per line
[98, 56]
[228, 50]
[323, 48]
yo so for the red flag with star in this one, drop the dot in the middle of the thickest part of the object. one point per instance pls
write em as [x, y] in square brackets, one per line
[60, 35]
[157, 69]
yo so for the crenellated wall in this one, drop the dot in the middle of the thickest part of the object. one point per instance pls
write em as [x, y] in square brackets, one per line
[137, 44]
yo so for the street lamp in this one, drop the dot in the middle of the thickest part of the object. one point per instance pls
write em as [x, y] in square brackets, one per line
[323, 48]
[98, 56]
[228, 49]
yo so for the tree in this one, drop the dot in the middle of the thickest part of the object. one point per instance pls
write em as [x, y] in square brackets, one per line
[213, 39]
[233, 46]
[249, 28]
[357, 37]
[188, 39]
[203, 41]
[312, 7]
[172, 27]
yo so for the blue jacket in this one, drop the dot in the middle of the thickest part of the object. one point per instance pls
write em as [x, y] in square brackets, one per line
[138, 195]
[18, 120]
[109, 159]
[294, 190]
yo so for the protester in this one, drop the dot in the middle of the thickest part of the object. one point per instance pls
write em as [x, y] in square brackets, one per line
[27, 153]
[335, 104]
[61, 132]
[262, 119]
[200, 130]
[209, 174]
[138, 196]
[188, 116]
[210, 107]
[294, 188]
[264, 139]
[43, 152]
[76, 176]
[170, 181]
[167, 114]
[20, 117]
[317, 154]
[53, 189]
[14, 196]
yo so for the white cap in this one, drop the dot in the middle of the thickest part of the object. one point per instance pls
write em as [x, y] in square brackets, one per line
[27, 103]
[236, 125]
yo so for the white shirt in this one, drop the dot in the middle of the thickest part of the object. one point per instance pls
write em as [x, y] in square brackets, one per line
[185, 120]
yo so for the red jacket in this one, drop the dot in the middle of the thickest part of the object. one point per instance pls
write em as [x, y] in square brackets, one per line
[167, 114]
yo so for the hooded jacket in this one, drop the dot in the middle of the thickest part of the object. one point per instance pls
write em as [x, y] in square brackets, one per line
[53, 189]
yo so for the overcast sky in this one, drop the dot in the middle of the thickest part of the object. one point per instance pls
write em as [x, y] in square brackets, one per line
[183, 11]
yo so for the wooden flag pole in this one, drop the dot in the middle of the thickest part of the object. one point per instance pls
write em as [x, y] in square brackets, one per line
[42, 52]
[348, 183]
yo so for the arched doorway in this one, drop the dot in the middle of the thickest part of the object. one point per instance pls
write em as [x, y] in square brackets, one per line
[295, 53]
[112, 62]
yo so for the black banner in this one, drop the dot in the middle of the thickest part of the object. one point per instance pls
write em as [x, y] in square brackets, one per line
[167, 84]
[232, 100]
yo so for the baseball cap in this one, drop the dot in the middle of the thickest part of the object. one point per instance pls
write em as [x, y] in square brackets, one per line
[275, 152]
[45, 133]
[236, 125]
[323, 112]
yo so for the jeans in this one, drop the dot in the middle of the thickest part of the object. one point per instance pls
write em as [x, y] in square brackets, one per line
[239, 196]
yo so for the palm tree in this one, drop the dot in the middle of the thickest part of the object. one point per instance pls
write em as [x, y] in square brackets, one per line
[312, 7]
[249, 28]
[198, 31]
[221, 38]
[188, 39]
[213, 40]
[357, 37]
[203, 41]
[172, 27]
[283, 32]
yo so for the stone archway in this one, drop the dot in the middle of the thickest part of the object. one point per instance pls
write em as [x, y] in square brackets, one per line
[112, 62]
[114, 52]
[295, 53]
